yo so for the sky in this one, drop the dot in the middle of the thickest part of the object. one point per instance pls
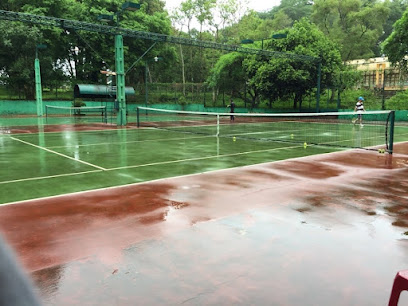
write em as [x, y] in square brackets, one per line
[257, 5]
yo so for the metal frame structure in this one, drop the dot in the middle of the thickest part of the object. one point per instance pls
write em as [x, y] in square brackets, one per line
[156, 37]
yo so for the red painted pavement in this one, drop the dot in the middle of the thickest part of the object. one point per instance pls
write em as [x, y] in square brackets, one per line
[321, 230]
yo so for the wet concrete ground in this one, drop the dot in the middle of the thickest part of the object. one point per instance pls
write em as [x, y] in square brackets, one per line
[322, 230]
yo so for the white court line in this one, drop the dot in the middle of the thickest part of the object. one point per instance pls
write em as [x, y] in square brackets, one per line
[60, 154]
[49, 176]
[205, 157]
[133, 141]
[157, 163]
[61, 132]
[146, 165]
[159, 180]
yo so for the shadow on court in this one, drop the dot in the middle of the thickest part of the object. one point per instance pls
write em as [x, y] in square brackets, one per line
[329, 229]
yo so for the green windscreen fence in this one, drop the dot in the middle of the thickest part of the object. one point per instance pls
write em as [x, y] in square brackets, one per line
[330, 129]
[84, 114]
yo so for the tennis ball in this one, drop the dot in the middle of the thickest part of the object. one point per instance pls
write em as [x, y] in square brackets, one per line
[234, 139]
[291, 136]
[305, 145]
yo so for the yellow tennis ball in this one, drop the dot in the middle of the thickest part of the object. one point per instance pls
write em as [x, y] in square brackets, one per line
[291, 136]
[234, 139]
[305, 145]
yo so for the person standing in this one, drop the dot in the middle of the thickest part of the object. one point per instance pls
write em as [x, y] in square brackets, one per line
[232, 110]
[359, 109]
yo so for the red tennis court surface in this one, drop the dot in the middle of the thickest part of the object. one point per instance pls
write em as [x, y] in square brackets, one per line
[322, 230]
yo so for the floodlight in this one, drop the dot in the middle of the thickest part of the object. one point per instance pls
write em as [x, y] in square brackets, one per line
[105, 17]
[279, 36]
[130, 6]
[247, 41]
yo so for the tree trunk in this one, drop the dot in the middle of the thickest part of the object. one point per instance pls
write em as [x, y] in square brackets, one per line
[29, 92]
[298, 99]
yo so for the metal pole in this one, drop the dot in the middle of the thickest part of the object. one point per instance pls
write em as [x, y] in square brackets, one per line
[38, 89]
[391, 140]
[245, 93]
[120, 80]
[383, 92]
[319, 75]
[146, 85]
[218, 125]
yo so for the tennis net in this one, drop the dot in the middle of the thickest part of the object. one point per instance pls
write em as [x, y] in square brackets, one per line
[339, 129]
[83, 113]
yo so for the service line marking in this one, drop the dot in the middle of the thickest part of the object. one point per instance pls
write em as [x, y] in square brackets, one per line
[146, 165]
[204, 157]
[60, 154]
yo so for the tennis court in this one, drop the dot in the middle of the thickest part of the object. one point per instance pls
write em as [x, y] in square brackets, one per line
[164, 215]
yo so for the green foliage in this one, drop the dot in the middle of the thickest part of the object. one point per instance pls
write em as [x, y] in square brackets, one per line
[293, 9]
[346, 78]
[349, 98]
[397, 8]
[78, 103]
[182, 100]
[298, 76]
[398, 102]
[280, 77]
[395, 46]
[353, 24]
[78, 55]
[17, 53]
[355, 27]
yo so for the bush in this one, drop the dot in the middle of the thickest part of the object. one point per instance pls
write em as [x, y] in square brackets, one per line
[78, 103]
[398, 102]
[182, 100]
[371, 101]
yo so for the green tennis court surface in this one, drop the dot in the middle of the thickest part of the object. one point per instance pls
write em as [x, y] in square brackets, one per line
[44, 164]
[320, 229]
[38, 163]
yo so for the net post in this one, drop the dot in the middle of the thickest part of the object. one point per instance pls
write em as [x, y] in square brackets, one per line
[218, 125]
[391, 141]
[105, 115]
[137, 115]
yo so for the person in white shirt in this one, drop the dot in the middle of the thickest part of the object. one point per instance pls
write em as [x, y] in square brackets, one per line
[359, 109]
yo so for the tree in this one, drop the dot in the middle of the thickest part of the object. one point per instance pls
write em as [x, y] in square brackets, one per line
[78, 54]
[17, 53]
[352, 24]
[228, 75]
[397, 8]
[291, 73]
[294, 9]
[298, 75]
[396, 45]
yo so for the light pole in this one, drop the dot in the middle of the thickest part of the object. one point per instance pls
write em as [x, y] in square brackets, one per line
[156, 59]
[38, 89]
[120, 62]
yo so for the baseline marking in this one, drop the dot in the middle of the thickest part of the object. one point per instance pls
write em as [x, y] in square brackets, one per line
[60, 154]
